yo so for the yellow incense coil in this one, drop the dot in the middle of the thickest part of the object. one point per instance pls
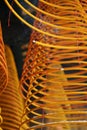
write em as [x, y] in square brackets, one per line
[10, 100]
[3, 65]
[54, 78]
[1, 120]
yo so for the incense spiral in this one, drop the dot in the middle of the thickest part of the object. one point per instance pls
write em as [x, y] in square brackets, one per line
[11, 102]
[3, 65]
[54, 78]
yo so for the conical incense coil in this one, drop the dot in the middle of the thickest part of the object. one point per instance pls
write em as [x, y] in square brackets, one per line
[54, 75]
[55, 72]
[11, 100]
[3, 64]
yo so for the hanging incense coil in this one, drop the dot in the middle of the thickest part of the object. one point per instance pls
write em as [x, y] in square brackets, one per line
[53, 82]
[3, 64]
[10, 100]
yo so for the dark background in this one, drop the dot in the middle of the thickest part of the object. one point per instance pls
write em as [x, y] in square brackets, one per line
[16, 34]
